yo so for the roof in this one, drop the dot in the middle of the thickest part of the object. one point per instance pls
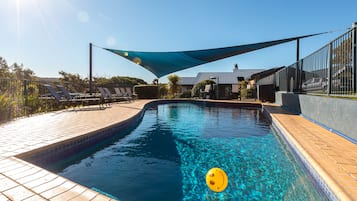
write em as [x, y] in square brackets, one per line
[187, 81]
[48, 79]
[265, 73]
[223, 77]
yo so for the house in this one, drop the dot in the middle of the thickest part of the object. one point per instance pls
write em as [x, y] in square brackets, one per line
[265, 82]
[225, 80]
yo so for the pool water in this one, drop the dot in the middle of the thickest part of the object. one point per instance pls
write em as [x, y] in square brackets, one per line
[167, 156]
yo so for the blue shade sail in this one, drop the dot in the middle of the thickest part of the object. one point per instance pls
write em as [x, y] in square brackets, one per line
[164, 63]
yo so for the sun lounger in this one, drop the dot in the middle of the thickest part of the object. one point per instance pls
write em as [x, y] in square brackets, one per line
[207, 91]
[120, 94]
[83, 98]
[66, 100]
[54, 93]
[104, 96]
[236, 90]
[129, 92]
[112, 96]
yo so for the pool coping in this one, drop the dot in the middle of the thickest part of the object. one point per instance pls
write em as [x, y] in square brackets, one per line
[328, 179]
[10, 165]
[320, 177]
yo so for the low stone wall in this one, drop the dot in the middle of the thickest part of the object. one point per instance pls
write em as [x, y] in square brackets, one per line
[337, 114]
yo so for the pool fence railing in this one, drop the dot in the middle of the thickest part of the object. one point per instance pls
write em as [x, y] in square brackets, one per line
[331, 70]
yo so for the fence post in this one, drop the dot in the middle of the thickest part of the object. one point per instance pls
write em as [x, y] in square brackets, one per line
[90, 69]
[297, 76]
[329, 76]
[25, 94]
[354, 56]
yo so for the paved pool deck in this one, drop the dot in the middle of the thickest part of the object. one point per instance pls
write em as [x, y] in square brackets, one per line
[334, 157]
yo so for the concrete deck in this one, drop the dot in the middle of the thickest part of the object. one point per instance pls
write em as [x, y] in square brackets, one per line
[20, 180]
[331, 155]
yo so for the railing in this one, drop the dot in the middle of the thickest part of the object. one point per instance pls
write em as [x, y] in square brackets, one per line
[330, 70]
[25, 97]
[21, 97]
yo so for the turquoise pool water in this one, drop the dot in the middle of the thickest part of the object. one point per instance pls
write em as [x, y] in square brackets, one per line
[167, 155]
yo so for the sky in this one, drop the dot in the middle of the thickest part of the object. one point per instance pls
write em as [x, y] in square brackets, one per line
[49, 36]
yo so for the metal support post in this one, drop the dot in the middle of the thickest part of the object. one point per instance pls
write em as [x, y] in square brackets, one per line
[354, 56]
[90, 69]
[25, 94]
[297, 72]
[329, 87]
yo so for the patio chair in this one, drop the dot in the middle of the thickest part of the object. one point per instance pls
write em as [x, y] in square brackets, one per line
[112, 96]
[76, 97]
[54, 93]
[130, 93]
[104, 96]
[120, 94]
[207, 91]
[59, 97]
[122, 90]
[236, 90]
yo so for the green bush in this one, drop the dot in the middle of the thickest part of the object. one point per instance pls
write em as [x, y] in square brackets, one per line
[200, 86]
[147, 91]
[6, 106]
[186, 94]
[163, 90]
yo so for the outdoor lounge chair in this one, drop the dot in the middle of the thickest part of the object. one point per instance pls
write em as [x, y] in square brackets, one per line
[83, 98]
[104, 96]
[61, 98]
[112, 96]
[120, 94]
[122, 90]
[236, 90]
[54, 93]
[207, 91]
[130, 93]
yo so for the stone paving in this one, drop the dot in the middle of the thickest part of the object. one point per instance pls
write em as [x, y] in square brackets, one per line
[20, 180]
[331, 155]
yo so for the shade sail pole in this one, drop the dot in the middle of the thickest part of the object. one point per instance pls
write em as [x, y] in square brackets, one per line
[297, 72]
[90, 68]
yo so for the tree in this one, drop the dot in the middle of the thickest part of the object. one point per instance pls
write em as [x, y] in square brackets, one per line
[118, 81]
[21, 73]
[173, 83]
[4, 69]
[342, 63]
[73, 82]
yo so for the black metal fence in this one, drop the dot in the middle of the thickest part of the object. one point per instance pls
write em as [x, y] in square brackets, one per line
[25, 97]
[21, 97]
[330, 70]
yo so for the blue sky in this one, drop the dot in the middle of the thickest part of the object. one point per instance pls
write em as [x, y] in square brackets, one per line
[53, 35]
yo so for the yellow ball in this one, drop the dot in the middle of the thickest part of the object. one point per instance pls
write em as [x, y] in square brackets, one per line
[216, 180]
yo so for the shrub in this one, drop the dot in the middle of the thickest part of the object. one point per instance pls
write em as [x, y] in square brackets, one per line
[200, 86]
[6, 106]
[147, 91]
[186, 94]
[163, 90]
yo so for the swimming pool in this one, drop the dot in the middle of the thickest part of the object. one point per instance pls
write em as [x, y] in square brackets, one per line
[167, 155]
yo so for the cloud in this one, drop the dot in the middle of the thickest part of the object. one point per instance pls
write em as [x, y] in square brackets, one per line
[111, 41]
[83, 16]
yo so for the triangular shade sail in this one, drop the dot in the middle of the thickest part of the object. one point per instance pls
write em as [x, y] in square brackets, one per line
[164, 63]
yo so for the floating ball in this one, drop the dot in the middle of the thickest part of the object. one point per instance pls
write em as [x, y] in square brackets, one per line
[216, 180]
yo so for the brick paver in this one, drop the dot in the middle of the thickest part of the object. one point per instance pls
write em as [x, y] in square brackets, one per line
[20, 180]
[334, 157]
